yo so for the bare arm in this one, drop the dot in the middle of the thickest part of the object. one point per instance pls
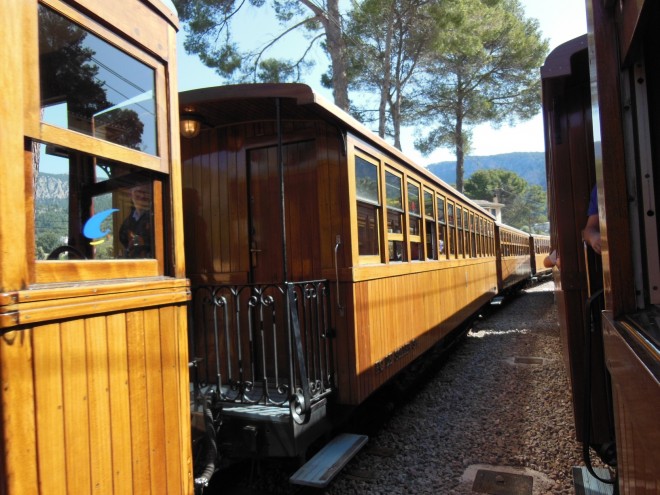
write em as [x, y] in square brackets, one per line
[591, 233]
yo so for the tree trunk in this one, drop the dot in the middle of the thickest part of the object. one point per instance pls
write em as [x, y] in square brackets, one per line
[385, 87]
[460, 158]
[337, 51]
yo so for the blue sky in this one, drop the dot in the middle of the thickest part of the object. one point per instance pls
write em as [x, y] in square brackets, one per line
[560, 21]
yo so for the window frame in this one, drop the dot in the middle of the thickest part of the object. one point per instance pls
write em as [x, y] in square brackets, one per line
[156, 166]
[378, 208]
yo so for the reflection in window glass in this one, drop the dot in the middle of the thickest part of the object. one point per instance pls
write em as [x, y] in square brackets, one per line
[394, 202]
[366, 180]
[90, 208]
[393, 191]
[414, 213]
[89, 86]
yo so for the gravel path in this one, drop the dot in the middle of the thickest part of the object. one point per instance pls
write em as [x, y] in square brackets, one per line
[481, 409]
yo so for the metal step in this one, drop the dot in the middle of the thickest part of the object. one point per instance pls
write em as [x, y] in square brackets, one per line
[319, 471]
[585, 484]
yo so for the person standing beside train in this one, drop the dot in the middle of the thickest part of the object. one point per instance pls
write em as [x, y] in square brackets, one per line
[591, 232]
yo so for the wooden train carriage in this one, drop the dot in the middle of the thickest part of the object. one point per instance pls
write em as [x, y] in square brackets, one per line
[93, 344]
[282, 187]
[513, 257]
[612, 75]
[571, 174]
[539, 246]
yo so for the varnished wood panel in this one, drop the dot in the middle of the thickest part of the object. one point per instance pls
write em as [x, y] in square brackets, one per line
[396, 319]
[107, 404]
[633, 366]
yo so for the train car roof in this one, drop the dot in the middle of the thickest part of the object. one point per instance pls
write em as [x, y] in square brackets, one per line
[223, 105]
[558, 61]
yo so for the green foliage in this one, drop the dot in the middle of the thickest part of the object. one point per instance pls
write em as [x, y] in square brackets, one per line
[484, 69]
[525, 204]
[210, 35]
[386, 41]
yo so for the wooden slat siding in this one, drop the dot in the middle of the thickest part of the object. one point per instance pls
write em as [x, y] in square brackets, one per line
[391, 312]
[175, 416]
[138, 400]
[49, 407]
[182, 458]
[76, 408]
[155, 400]
[100, 446]
[120, 407]
[17, 407]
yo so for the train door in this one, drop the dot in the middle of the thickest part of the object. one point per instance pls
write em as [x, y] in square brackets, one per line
[267, 264]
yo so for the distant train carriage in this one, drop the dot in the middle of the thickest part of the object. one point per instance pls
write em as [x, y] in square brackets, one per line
[601, 107]
[514, 255]
[288, 200]
[539, 247]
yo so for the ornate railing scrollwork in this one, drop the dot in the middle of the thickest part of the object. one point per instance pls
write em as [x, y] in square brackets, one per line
[266, 344]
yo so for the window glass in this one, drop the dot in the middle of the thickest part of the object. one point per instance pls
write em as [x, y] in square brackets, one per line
[452, 234]
[367, 217]
[459, 225]
[366, 180]
[414, 208]
[394, 202]
[441, 209]
[415, 223]
[442, 229]
[89, 86]
[428, 204]
[91, 208]
[393, 191]
[431, 239]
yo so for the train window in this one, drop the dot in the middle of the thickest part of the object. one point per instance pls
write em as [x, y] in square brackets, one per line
[415, 223]
[466, 231]
[429, 223]
[395, 212]
[452, 229]
[459, 229]
[99, 153]
[442, 227]
[89, 86]
[473, 235]
[368, 207]
[89, 208]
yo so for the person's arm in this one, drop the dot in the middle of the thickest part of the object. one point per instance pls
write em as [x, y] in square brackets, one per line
[591, 233]
[550, 260]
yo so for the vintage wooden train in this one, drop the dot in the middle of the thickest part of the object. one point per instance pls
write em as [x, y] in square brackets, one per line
[318, 260]
[601, 106]
[315, 249]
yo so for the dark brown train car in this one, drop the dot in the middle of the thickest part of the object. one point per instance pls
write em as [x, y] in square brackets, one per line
[612, 76]
[282, 187]
[514, 265]
[94, 394]
[571, 175]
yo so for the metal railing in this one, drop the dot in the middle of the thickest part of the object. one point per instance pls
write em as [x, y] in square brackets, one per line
[264, 344]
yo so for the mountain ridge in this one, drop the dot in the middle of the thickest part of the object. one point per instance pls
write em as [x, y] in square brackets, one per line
[530, 165]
